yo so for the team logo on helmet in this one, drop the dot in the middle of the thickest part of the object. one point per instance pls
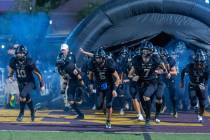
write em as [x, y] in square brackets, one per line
[100, 53]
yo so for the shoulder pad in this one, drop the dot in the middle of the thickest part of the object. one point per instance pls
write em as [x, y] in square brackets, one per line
[29, 61]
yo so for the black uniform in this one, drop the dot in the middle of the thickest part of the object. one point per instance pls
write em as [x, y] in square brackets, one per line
[146, 73]
[197, 85]
[104, 80]
[66, 69]
[24, 73]
[148, 82]
[71, 58]
[74, 91]
[26, 82]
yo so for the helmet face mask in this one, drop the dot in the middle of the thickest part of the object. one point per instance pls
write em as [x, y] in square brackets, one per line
[21, 53]
[199, 64]
[20, 56]
[124, 52]
[163, 53]
[100, 56]
[146, 53]
[123, 55]
[147, 49]
[99, 60]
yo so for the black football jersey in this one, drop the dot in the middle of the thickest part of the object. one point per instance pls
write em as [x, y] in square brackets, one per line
[69, 69]
[23, 70]
[146, 71]
[62, 62]
[196, 75]
[103, 74]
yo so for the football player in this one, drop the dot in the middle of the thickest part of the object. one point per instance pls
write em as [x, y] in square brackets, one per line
[169, 78]
[24, 68]
[198, 72]
[134, 87]
[67, 55]
[107, 81]
[145, 70]
[73, 82]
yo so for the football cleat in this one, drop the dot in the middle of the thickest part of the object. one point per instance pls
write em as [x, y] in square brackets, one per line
[175, 115]
[163, 110]
[200, 119]
[108, 124]
[32, 116]
[140, 117]
[157, 120]
[19, 118]
[122, 112]
[80, 117]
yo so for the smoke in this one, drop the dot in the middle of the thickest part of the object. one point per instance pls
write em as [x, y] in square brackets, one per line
[28, 29]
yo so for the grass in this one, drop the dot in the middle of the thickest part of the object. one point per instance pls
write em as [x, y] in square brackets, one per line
[11, 135]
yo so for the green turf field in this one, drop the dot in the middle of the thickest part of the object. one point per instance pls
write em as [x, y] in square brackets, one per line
[10, 135]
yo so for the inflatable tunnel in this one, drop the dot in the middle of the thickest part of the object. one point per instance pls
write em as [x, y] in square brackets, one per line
[120, 23]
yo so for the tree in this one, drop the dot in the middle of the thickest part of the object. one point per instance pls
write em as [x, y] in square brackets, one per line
[88, 9]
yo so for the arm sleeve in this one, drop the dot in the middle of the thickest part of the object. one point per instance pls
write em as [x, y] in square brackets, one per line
[12, 63]
[133, 62]
[112, 66]
[172, 62]
[91, 65]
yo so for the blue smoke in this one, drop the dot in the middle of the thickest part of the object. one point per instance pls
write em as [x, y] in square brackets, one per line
[28, 29]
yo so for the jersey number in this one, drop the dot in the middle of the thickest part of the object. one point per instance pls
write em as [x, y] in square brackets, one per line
[102, 75]
[146, 71]
[21, 73]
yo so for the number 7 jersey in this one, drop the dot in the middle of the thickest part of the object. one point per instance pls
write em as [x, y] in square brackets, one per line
[146, 71]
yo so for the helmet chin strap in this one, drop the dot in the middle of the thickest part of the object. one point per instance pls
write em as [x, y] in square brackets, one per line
[22, 59]
[147, 55]
[199, 65]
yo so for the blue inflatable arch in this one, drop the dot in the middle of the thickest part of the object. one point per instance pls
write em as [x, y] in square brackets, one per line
[123, 21]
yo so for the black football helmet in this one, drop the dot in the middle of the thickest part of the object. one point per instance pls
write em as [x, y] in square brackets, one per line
[21, 52]
[100, 53]
[100, 56]
[163, 53]
[147, 48]
[124, 52]
[138, 51]
[200, 57]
